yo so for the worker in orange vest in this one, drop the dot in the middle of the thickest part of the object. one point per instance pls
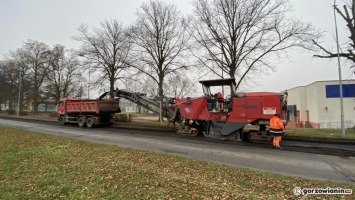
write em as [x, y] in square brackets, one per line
[276, 129]
[219, 95]
[220, 100]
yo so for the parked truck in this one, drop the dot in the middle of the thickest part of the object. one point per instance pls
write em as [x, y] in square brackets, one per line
[87, 112]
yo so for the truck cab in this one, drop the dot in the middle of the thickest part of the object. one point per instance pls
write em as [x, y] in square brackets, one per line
[61, 107]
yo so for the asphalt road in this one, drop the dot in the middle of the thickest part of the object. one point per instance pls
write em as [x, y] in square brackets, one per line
[288, 162]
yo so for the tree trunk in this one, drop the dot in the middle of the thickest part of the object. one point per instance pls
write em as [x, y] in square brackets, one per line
[160, 84]
[232, 72]
[112, 83]
[35, 101]
[21, 100]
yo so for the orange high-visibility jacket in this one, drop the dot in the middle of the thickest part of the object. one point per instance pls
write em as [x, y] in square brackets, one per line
[276, 123]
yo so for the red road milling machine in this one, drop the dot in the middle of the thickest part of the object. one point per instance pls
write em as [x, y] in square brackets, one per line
[230, 116]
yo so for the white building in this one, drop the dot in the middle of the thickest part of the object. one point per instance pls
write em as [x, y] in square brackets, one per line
[317, 105]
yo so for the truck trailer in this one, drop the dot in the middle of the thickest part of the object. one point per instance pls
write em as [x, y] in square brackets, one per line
[87, 112]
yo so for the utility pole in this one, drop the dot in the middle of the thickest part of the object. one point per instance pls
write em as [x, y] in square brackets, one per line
[89, 85]
[340, 78]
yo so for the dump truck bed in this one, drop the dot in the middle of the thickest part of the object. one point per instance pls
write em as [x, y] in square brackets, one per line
[92, 106]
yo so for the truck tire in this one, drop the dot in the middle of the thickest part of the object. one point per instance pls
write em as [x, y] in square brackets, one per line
[62, 120]
[89, 122]
[81, 121]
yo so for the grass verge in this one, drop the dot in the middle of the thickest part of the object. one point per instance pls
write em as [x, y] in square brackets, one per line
[320, 133]
[35, 166]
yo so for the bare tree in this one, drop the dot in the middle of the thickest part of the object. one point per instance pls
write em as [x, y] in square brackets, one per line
[32, 59]
[148, 86]
[64, 70]
[347, 13]
[240, 38]
[3, 84]
[178, 85]
[17, 82]
[159, 41]
[9, 82]
[106, 48]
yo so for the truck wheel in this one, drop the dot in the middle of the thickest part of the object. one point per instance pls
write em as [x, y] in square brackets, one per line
[89, 122]
[62, 120]
[81, 121]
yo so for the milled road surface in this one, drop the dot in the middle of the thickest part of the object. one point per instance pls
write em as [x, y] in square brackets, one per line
[316, 166]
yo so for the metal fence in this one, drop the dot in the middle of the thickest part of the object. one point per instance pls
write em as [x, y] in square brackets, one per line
[337, 125]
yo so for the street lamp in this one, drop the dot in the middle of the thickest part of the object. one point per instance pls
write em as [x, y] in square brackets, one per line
[340, 79]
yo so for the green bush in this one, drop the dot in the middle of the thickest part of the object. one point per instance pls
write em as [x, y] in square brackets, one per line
[122, 117]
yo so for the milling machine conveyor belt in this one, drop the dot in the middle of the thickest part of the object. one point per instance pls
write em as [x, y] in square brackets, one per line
[152, 104]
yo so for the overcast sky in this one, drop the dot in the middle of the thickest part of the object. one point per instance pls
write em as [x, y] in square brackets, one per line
[55, 22]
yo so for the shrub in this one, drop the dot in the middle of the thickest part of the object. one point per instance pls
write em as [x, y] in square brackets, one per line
[122, 117]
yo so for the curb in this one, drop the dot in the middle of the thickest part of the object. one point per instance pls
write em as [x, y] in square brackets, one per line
[142, 128]
[321, 140]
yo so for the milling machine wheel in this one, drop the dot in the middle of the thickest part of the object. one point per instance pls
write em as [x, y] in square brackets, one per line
[194, 133]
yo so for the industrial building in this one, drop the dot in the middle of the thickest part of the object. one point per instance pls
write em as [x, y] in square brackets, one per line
[317, 105]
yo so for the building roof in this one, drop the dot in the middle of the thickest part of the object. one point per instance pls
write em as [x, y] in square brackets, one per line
[326, 81]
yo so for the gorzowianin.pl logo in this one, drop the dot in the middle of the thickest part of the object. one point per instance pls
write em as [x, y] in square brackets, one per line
[309, 191]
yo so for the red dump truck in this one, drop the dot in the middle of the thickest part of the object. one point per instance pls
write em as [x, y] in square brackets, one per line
[87, 112]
